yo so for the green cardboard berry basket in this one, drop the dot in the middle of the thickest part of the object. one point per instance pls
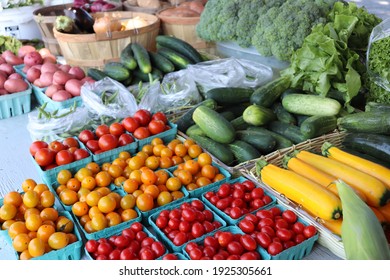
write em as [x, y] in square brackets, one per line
[229, 220]
[42, 98]
[118, 231]
[172, 247]
[235, 230]
[15, 104]
[70, 252]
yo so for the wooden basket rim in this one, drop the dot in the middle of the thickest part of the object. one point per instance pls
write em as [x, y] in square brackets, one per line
[177, 20]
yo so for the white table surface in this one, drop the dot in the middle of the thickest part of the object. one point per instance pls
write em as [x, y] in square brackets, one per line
[16, 166]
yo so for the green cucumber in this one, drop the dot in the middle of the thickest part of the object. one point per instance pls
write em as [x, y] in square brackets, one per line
[374, 107]
[300, 119]
[185, 121]
[258, 115]
[266, 95]
[281, 141]
[195, 130]
[116, 71]
[291, 132]
[375, 145]
[237, 109]
[128, 81]
[141, 55]
[367, 122]
[220, 151]
[177, 59]
[318, 125]
[311, 105]
[239, 123]
[96, 74]
[161, 63]
[155, 73]
[243, 151]
[263, 142]
[214, 125]
[127, 58]
[282, 115]
[290, 91]
[180, 46]
[228, 115]
[229, 95]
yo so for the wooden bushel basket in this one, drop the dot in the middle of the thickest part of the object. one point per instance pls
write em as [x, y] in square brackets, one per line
[95, 50]
[45, 18]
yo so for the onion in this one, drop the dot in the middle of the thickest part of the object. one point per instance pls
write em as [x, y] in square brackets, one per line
[106, 24]
[136, 22]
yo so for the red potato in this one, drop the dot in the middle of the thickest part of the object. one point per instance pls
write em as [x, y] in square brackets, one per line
[49, 58]
[65, 67]
[73, 86]
[46, 79]
[52, 89]
[33, 58]
[33, 74]
[87, 79]
[3, 92]
[2, 81]
[15, 76]
[60, 77]
[61, 95]
[23, 50]
[13, 60]
[2, 73]
[13, 86]
[7, 68]
[25, 69]
[49, 67]
[6, 53]
[2, 60]
[77, 72]
[38, 83]
[44, 52]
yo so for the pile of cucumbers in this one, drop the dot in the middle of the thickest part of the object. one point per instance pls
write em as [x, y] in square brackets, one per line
[241, 124]
[138, 64]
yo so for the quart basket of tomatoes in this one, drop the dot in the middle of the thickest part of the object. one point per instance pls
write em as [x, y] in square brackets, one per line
[280, 232]
[183, 222]
[234, 198]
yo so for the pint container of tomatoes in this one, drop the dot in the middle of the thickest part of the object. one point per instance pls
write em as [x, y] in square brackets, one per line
[51, 158]
[280, 232]
[135, 242]
[227, 243]
[183, 222]
[234, 198]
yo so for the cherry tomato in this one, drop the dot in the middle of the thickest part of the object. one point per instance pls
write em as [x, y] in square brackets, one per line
[289, 216]
[222, 204]
[209, 251]
[174, 223]
[309, 231]
[211, 241]
[248, 242]
[147, 242]
[161, 222]
[188, 214]
[129, 233]
[224, 190]
[115, 254]
[266, 222]
[298, 227]
[102, 130]
[134, 246]
[141, 132]
[249, 256]
[235, 212]
[56, 146]
[275, 248]
[143, 116]
[190, 246]
[275, 211]
[169, 257]
[299, 238]
[224, 238]
[101, 257]
[86, 135]
[246, 226]
[268, 230]
[104, 249]
[125, 139]
[127, 254]
[71, 142]
[158, 248]
[130, 124]
[284, 234]
[263, 239]
[36, 145]
[156, 126]
[44, 157]
[93, 145]
[195, 254]
[122, 242]
[108, 142]
[208, 215]
[185, 226]
[197, 230]
[198, 205]
[288, 244]
[257, 193]
[267, 199]
[179, 239]
[80, 154]
[257, 203]
[64, 157]
[160, 116]
[281, 223]
[208, 226]
[116, 129]
[136, 227]
[264, 214]
[249, 185]
[91, 246]
[251, 217]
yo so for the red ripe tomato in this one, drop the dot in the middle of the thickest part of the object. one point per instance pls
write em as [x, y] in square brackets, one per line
[197, 230]
[129, 233]
[141, 235]
[93, 145]
[115, 254]
[161, 221]
[143, 116]
[235, 212]
[86, 135]
[108, 142]
[121, 242]
[136, 227]
[44, 157]
[127, 254]
[130, 124]
[224, 238]
[268, 230]
[116, 129]
[170, 257]
[184, 226]
[147, 242]
[281, 223]
[160, 116]
[250, 256]
[56, 146]
[309, 231]
[298, 227]
[248, 242]
[257, 193]
[188, 214]
[158, 248]
[275, 248]
[156, 126]
[264, 214]
[102, 130]
[235, 248]
[275, 211]
[179, 239]
[289, 216]
[224, 190]
[249, 185]
[284, 234]
[299, 238]
[197, 204]
[80, 154]
[141, 132]
[267, 199]
[64, 157]
[36, 145]
[125, 139]
[71, 142]
[104, 249]
[195, 254]
[246, 226]
[263, 239]
[91, 246]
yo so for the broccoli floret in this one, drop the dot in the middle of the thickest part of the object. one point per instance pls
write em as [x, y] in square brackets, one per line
[282, 29]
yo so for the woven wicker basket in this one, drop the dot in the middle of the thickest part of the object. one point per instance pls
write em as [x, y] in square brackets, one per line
[327, 238]
[45, 18]
[95, 50]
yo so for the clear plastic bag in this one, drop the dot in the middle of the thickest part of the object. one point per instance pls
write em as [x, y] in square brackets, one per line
[108, 98]
[229, 72]
[378, 65]
[177, 89]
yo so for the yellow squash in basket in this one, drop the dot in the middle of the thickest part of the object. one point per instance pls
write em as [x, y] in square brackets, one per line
[310, 195]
